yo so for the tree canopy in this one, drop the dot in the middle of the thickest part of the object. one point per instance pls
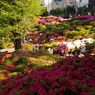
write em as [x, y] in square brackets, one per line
[15, 16]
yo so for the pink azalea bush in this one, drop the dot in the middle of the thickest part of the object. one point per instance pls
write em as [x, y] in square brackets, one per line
[10, 67]
[84, 17]
[49, 26]
[51, 19]
[71, 76]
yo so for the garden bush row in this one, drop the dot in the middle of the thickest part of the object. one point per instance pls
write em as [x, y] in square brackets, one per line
[71, 76]
[23, 61]
[82, 26]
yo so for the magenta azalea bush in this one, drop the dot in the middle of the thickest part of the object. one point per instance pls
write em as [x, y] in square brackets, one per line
[71, 76]
[84, 17]
[49, 19]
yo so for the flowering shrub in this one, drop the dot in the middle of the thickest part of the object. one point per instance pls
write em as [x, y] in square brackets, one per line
[85, 17]
[13, 74]
[52, 25]
[28, 46]
[71, 76]
[21, 68]
[91, 46]
[10, 67]
[53, 44]
[8, 61]
[39, 58]
[22, 60]
[4, 74]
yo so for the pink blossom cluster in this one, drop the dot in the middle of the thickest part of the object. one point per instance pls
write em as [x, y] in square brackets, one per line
[84, 17]
[71, 76]
[49, 19]
[10, 67]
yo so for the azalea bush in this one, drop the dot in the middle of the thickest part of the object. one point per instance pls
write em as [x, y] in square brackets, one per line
[4, 74]
[71, 76]
[84, 17]
[13, 74]
[22, 60]
[91, 46]
[21, 68]
[57, 26]
[2, 67]
[33, 58]
[52, 44]
[8, 61]
[28, 46]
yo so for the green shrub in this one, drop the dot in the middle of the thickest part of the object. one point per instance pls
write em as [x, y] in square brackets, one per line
[93, 28]
[77, 37]
[44, 11]
[8, 61]
[70, 9]
[42, 27]
[93, 36]
[73, 33]
[66, 33]
[21, 68]
[93, 24]
[88, 27]
[3, 67]
[74, 22]
[79, 32]
[4, 74]
[82, 33]
[2, 77]
[58, 10]
[80, 28]
[22, 60]
[91, 46]
[28, 47]
[53, 44]
[53, 12]
[13, 74]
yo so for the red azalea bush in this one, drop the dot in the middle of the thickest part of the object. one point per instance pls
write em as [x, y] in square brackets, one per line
[71, 76]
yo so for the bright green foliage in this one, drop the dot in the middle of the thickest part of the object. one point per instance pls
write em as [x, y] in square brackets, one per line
[20, 68]
[58, 10]
[44, 11]
[16, 16]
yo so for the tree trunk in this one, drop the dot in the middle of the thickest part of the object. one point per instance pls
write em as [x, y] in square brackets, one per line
[17, 44]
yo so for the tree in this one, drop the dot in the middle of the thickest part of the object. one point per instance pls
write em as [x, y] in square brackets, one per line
[70, 9]
[53, 12]
[80, 10]
[59, 10]
[44, 11]
[16, 17]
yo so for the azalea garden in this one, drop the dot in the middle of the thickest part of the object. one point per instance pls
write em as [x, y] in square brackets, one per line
[31, 72]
